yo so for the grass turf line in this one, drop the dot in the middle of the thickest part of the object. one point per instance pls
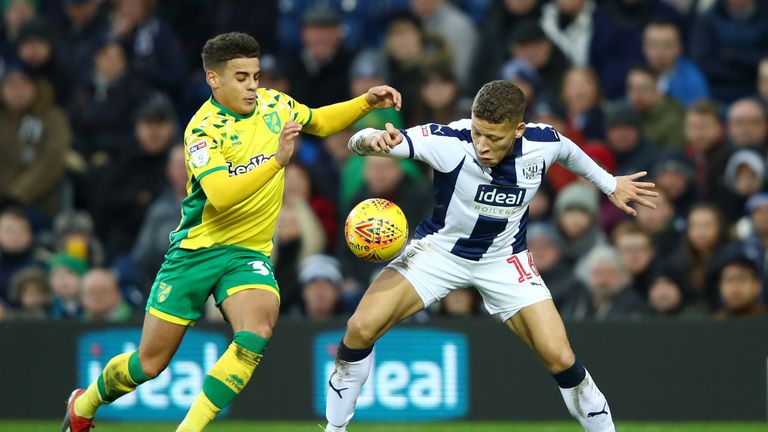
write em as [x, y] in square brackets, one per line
[246, 426]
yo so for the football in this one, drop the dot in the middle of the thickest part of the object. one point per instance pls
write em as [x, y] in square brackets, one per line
[376, 230]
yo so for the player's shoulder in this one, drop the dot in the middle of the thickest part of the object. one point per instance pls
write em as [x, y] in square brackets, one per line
[459, 129]
[462, 124]
[208, 119]
[542, 133]
[273, 99]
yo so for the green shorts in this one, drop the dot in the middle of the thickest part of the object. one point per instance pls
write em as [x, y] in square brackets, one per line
[188, 277]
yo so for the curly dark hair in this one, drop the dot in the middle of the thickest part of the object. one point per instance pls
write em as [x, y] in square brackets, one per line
[499, 101]
[228, 46]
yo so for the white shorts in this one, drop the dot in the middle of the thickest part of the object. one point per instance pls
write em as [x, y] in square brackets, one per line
[506, 284]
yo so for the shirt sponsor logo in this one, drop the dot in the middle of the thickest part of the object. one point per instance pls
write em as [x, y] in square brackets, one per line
[252, 163]
[498, 201]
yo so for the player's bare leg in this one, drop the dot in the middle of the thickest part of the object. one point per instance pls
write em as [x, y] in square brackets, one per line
[541, 327]
[252, 314]
[389, 300]
[159, 341]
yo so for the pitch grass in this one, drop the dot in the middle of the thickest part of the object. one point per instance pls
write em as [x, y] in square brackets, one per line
[235, 426]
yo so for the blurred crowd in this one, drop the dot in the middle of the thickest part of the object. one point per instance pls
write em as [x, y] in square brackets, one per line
[95, 95]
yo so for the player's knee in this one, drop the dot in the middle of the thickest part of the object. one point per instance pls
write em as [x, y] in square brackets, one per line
[152, 366]
[560, 360]
[263, 330]
[361, 331]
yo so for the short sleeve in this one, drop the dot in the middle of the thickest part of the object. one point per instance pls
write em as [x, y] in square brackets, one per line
[203, 152]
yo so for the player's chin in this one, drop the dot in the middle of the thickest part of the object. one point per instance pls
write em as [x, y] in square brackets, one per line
[248, 104]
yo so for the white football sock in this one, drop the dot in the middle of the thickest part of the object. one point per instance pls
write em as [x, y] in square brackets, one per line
[588, 405]
[343, 390]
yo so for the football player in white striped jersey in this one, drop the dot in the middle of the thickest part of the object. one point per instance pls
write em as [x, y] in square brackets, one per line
[486, 171]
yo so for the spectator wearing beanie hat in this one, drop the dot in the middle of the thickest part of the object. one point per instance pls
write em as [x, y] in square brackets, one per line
[66, 280]
[36, 49]
[575, 214]
[673, 176]
[744, 176]
[321, 279]
[624, 137]
[666, 293]
[30, 290]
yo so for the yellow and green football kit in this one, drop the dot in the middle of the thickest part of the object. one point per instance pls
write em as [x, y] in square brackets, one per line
[223, 242]
[224, 249]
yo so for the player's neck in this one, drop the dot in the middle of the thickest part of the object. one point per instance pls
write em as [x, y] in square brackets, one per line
[229, 110]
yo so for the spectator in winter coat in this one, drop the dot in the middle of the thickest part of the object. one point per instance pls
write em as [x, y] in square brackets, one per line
[607, 294]
[679, 78]
[727, 43]
[35, 138]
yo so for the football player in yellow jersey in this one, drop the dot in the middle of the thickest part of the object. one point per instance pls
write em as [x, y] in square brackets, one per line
[236, 148]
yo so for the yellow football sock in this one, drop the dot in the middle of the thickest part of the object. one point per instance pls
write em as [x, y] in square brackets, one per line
[121, 375]
[225, 380]
[87, 404]
[200, 414]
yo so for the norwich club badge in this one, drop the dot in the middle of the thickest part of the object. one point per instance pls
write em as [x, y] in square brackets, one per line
[165, 291]
[272, 120]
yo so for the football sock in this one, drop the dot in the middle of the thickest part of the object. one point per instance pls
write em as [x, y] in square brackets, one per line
[352, 369]
[584, 400]
[225, 380]
[122, 375]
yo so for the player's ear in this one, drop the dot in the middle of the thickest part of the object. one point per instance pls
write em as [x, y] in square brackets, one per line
[520, 130]
[212, 78]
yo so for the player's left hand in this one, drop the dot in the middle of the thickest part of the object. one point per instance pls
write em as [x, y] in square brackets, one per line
[386, 140]
[628, 190]
[384, 96]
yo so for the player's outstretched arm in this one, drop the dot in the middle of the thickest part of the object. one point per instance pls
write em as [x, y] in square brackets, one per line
[376, 142]
[331, 119]
[628, 190]
[224, 191]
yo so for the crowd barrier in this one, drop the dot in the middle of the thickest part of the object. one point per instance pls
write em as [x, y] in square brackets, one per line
[472, 369]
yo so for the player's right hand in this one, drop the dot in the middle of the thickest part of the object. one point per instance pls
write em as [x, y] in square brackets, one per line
[287, 144]
[386, 140]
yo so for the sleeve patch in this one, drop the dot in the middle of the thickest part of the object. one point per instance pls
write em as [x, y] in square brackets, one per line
[198, 153]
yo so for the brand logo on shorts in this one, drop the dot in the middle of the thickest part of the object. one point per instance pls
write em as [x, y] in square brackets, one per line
[165, 291]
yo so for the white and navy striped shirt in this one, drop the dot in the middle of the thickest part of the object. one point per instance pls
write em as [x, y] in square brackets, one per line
[482, 212]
